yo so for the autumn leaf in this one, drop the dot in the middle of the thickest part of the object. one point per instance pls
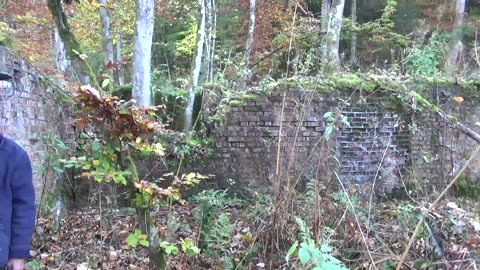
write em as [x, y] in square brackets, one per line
[458, 100]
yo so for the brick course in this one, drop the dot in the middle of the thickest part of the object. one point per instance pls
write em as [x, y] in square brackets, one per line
[380, 144]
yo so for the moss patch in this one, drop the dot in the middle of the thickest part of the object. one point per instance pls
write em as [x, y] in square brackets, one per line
[235, 102]
[467, 189]
[248, 97]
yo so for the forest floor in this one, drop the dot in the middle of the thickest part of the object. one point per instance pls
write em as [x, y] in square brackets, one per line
[94, 238]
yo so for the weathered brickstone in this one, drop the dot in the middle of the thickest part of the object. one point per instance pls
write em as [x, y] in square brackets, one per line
[30, 109]
[376, 143]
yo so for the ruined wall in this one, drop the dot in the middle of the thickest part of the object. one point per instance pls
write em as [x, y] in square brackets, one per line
[380, 143]
[30, 110]
[438, 150]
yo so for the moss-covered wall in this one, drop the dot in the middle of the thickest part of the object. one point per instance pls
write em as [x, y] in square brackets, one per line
[385, 140]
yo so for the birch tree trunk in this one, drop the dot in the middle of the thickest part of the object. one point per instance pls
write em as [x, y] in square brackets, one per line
[142, 53]
[251, 31]
[326, 6]
[332, 37]
[197, 65]
[107, 40]
[456, 45]
[353, 52]
[213, 39]
[210, 28]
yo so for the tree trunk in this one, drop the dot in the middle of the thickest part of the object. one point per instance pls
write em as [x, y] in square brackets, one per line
[332, 37]
[210, 27]
[212, 40]
[251, 31]
[119, 66]
[119, 59]
[142, 53]
[157, 256]
[72, 46]
[326, 6]
[61, 59]
[324, 19]
[158, 260]
[456, 45]
[248, 47]
[353, 52]
[197, 65]
[107, 40]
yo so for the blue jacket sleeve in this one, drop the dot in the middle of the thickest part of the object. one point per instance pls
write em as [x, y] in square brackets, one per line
[23, 208]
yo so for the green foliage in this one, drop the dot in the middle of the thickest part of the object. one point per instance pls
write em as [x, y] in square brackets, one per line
[380, 31]
[467, 189]
[136, 238]
[427, 60]
[330, 118]
[100, 163]
[216, 228]
[150, 194]
[342, 198]
[309, 254]
[407, 216]
[189, 248]
[32, 265]
[185, 47]
[6, 36]
[165, 90]
[218, 236]
[52, 163]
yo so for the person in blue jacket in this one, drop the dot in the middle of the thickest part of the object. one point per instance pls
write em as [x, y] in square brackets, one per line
[17, 205]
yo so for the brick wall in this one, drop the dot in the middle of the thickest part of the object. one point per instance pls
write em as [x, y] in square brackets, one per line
[30, 109]
[381, 142]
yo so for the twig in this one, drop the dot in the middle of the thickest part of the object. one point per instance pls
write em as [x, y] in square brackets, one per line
[374, 182]
[477, 59]
[356, 220]
[419, 224]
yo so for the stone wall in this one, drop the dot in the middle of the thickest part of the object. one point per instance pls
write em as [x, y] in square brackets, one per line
[379, 143]
[30, 110]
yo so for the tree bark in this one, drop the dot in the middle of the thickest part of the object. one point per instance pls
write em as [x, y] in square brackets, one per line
[119, 59]
[456, 45]
[107, 40]
[197, 65]
[251, 32]
[158, 260]
[142, 53]
[119, 66]
[210, 27]
[61, 59]
[72, 46]
[353, 51]
[157, 256]
[324, 19]
[326, 6]
[332, 37]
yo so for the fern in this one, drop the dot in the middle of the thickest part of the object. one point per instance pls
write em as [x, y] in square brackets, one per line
[310, 190]
[304, 231]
